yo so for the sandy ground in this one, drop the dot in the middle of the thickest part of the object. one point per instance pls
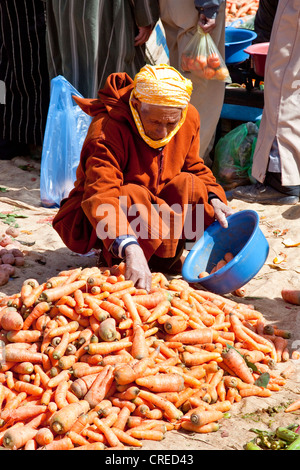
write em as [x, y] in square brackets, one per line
[46, 255]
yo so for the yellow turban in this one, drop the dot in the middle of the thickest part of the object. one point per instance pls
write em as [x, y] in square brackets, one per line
[160, 85]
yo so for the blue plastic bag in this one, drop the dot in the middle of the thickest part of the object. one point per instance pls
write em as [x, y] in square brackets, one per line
[66, 129]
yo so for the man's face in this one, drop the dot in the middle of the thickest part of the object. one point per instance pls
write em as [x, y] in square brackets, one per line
[158, 121]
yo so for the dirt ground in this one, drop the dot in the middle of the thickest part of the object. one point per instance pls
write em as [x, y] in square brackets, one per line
[46, 255]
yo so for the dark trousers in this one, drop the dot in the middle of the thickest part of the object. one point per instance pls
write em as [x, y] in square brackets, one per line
[274, 180]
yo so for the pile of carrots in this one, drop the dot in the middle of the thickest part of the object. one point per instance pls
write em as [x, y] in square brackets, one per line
[91, 362]
[240, 8]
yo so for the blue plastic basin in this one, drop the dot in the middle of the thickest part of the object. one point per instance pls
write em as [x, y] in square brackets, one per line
[236, 40]
[243, 238]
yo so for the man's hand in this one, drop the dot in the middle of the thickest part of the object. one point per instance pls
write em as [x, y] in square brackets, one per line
[207, 24]
[143, 35]
[222, 211]
[137, 269]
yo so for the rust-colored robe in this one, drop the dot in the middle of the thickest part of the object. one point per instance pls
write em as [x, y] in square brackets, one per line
[116, 162]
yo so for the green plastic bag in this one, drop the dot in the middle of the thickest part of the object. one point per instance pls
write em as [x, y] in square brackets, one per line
[234, 155]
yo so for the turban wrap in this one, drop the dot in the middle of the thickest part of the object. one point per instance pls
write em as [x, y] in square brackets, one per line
[160, 85]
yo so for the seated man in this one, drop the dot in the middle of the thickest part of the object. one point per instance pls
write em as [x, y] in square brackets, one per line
[141, 156]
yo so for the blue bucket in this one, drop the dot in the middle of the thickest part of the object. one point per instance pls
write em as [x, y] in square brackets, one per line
[236, 40]
[243, 238]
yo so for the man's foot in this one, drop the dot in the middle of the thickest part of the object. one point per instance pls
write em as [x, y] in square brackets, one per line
[262, 194]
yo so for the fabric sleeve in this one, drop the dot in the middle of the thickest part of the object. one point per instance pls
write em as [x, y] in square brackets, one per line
[146, 12]
[209, 8]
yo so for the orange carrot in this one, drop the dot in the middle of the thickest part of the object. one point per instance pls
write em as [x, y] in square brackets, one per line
[139, 348]
[61, 376]
[293, 406]
[201, 335]
[169, 408]
[117, 312]
[291, 296]
[11, 320]
[60, 330]
[174, 325]
[100, 386]
[106, 348]
[38, 310]
[60, 349]
[149, 434]
[108, 433]
[107, 329]
[29, 388]
[62, 420]
[15, 438]
[236, 362]
[162, 382]
[206, 428]
[126, 438]
[60, 395]
[132, 309]
[64, 443]
[55, 293]
[44, 436]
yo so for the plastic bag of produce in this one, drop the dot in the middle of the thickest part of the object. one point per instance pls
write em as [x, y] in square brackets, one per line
[234, 155]
[202, 57]
[66, 129]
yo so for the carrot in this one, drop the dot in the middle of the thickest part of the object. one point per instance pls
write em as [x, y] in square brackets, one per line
[132, 309]
[117, 312]
[169, 408]
[81, 369]
[15, 438]
[64, 443]
[150, 300]
[30, 299]
[90, 446]
[55, 293]
[107, 432]
[199, 358]
[100, 386]
[139, 348]
[44, 436]
[38, 310]
[107, 329]
[60, 330]
[236, 362]
[123, 416]
[60, 395]
[149, 434]
[62, 420]
[201, 335]
[60, 349]
[126, 438]
[293, 406]
[30, 336]
[200, 417]
[12, 320]
[174, 325]
[99, 313]
[162, 382]
[291, 296]
[29, 388]
[61, 376]
[206, 428]
[107, 348]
